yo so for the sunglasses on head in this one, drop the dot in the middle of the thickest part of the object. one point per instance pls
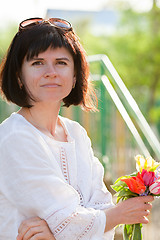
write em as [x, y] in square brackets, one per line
[56, 22]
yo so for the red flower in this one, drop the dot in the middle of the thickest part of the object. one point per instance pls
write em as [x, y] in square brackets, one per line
[148, 177]
[135, 184]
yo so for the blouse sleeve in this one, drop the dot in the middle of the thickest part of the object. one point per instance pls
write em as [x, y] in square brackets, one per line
[100, 197]
[32, 181]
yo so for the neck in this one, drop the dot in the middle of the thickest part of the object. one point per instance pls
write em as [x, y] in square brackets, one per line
[42, 116]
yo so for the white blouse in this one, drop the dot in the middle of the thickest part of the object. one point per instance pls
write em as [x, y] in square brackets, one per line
[61, 182]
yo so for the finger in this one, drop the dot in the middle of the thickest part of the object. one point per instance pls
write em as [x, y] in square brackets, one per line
[26, 225]
[145, 207]
[142, 219]
[44, 235]
[145, 220]
[43, 229]
[148, 206]
[38, 236]
[146, 213]
[32, 232]
[148, 198]
[28, 222]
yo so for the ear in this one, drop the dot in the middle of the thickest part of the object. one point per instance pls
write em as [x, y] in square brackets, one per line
[74, 81]
[20, 82]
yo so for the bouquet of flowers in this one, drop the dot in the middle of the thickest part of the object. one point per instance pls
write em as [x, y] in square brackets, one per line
[145, 181]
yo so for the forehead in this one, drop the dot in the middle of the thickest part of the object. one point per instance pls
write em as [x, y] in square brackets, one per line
[59, 52]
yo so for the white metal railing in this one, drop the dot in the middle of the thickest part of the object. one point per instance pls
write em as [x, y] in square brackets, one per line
[137, 114]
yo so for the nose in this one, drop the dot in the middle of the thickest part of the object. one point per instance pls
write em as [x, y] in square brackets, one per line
[50, 71]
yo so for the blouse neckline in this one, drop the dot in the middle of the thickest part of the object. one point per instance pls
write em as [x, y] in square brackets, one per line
[69, 138]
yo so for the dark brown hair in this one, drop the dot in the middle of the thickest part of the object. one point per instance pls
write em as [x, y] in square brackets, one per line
[29, 43]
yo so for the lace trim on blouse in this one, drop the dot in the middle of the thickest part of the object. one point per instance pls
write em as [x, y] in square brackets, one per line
[64, 164]
[65, 171]
[80, 197]
[100, 203]
[87, 229]
[63, 225]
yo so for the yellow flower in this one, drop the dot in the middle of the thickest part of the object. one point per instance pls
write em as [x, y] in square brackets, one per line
[148, 163]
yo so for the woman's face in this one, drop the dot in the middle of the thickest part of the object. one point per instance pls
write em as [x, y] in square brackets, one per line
[49, 77]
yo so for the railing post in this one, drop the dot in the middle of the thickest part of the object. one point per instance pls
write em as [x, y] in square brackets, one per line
[103, 114]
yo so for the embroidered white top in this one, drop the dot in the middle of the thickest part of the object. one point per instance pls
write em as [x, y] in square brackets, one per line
[61, 182]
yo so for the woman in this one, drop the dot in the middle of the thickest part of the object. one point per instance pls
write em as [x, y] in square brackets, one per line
[51, 185]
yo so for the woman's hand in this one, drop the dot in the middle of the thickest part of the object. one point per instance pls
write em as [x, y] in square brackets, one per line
[34, 229]
[132, 211]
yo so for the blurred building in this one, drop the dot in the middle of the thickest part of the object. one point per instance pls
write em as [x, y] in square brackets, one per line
[100, 22]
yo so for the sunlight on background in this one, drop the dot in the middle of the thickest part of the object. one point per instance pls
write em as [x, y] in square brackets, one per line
[17, 10]
[139, 6]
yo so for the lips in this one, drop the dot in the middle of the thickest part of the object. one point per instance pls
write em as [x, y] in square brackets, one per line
[50, 85]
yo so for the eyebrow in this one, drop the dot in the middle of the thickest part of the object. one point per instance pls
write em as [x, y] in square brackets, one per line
[60, 58]
[63, 58]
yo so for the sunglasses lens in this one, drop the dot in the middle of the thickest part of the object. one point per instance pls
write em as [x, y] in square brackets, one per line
[30, 22]
[60, 23]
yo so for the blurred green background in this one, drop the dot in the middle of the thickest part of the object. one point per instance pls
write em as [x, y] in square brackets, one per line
[134, 49]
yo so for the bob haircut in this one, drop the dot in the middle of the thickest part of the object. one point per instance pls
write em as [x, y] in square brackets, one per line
[28, 43]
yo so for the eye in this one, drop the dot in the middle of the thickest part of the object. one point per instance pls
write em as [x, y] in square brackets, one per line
[37, 63]
[61, 63]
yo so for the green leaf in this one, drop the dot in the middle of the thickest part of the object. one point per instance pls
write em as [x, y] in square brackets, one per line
[128, 231]
[119, 179]
[154, 168]
[134, 174]
[117, 188]
[158, 195]
[132, 232]
[125, 235]
[137, 233]
[124, 194]
[118, 185]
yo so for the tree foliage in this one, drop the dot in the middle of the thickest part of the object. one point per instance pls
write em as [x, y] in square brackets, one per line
[135, 52]
[6, 35]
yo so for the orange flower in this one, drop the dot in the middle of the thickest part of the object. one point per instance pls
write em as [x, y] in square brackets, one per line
[135, 184]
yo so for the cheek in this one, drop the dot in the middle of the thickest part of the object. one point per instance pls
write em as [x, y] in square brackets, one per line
[29, 84]
[69, 82]
[30, 78]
